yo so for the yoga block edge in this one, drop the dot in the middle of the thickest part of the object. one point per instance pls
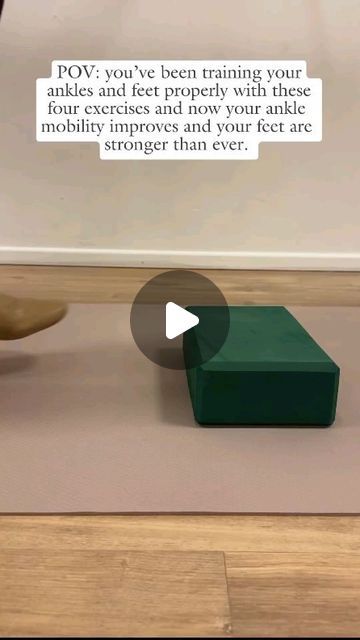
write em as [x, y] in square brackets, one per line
[269, 372]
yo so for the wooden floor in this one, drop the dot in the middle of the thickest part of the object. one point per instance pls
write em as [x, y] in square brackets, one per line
[96, 284]
[240, 576]
[180, 576]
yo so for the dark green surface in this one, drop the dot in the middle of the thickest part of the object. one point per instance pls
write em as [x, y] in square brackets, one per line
[269, 371]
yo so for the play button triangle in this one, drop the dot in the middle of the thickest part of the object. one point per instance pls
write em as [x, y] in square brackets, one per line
[178, 320]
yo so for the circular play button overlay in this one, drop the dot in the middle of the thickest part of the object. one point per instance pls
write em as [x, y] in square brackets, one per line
[177, 309]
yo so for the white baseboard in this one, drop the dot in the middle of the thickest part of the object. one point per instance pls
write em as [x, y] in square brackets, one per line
[63, 256]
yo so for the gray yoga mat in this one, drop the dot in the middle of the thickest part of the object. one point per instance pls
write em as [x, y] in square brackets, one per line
[87, 424]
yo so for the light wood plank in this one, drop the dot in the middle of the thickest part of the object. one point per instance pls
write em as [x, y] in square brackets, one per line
[111, 593]
[108, 284]
[322, 534]
[294, 595]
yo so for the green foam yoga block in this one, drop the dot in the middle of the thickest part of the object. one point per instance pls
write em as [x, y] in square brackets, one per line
[269, 371]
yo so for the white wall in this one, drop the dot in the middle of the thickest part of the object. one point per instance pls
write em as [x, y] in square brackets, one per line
[297, 207]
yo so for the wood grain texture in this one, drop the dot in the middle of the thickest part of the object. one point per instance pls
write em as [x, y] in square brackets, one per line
[165, 575]
[294, 595]
[261, 534]
[107, 593]
[108, 284]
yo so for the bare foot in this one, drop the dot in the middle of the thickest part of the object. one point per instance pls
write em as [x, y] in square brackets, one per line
[20, 317]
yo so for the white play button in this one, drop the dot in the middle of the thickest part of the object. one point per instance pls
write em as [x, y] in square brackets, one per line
[155, 321]
[178, 320]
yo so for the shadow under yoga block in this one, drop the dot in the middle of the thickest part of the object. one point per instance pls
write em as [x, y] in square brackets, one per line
[269, 371]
